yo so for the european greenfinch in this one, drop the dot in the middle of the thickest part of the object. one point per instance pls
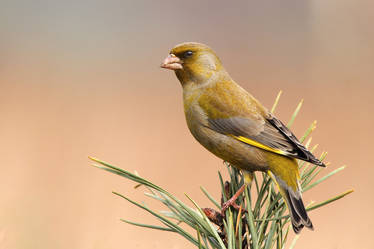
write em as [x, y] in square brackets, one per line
[233, 125]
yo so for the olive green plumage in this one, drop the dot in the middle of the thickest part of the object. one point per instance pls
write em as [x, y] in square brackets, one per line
[233, 125]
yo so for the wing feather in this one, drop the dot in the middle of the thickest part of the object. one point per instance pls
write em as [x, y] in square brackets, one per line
[266, 133]
[232, 111]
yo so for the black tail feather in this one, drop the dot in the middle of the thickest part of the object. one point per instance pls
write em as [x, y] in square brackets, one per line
[299, 216]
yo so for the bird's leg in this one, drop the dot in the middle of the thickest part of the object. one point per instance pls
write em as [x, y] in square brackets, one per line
[231, 201]
[248, 176]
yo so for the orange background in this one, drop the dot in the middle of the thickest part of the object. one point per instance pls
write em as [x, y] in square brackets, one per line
[81, 78]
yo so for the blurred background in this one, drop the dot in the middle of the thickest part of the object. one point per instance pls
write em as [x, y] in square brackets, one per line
[81, 78]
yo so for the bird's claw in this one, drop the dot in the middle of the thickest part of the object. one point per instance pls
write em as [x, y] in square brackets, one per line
[230, 203]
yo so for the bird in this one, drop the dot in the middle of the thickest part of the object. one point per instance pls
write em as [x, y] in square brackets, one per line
[230, 123]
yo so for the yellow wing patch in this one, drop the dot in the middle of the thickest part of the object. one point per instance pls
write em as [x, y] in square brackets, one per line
[259, 145]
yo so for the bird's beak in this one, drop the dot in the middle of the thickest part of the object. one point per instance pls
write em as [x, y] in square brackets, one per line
[172, 62]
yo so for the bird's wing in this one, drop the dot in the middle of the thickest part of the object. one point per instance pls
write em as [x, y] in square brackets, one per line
[268, 133]
[299, 151]
[232, 111]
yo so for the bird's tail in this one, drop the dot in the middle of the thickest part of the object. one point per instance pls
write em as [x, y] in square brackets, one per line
[299, 216]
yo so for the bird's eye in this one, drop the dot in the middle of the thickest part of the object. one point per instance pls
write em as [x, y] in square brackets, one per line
[188, 54]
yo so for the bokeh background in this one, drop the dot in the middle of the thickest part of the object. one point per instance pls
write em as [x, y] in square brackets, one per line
[81, 78]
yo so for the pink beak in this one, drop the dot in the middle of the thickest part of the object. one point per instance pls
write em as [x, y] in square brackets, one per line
[172, 62]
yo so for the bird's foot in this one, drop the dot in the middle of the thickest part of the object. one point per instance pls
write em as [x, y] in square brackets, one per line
[227, 204]
[231, 202]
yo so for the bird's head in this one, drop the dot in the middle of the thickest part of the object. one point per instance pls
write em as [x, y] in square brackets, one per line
[192, 62]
